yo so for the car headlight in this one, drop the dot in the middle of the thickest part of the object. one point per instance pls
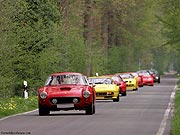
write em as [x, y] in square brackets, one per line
[43, 95]
[86, 94]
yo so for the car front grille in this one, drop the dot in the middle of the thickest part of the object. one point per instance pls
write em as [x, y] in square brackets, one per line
[130, 85]
[61, 100]
[104, 93]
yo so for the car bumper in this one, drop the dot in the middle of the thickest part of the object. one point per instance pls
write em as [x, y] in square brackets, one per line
[148, 83]
[107, 95]
[131, 86]
[65, 103]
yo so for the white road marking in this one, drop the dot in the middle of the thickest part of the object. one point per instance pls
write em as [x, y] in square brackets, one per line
[17, 115]
[167, 112]
[163, 86]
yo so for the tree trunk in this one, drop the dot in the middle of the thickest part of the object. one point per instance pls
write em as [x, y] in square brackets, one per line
[104, 34]
[88, 33]
[111, 31]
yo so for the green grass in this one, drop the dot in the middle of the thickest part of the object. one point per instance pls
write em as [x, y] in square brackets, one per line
[10, 106]
[176, 117]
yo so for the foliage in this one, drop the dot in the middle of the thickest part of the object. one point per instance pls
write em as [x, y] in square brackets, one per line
[33, 34]
[17, 105]
[171, 21]
[176, 117]
[39, 37]
[171, 26]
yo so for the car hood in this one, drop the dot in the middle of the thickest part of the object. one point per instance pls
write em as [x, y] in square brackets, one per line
[147, 77]
[105, 87]
[129, 79]
[65, 89]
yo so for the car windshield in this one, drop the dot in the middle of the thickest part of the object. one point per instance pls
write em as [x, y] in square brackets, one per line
[144, 74]
[100, 81]
[134, 74]
[153, 72]
[66, 79]
[126, 76]
[115, 78]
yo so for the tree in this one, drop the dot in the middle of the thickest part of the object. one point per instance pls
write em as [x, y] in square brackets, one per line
[30, 24]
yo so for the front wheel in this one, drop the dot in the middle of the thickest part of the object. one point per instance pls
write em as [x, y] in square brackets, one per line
[124, 94]
[90, 109]
[117, 99]
[43, 110]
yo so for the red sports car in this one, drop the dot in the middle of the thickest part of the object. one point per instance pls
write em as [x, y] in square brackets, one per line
[118, 80]
[139, 78]
[147, 78]
[66, 91]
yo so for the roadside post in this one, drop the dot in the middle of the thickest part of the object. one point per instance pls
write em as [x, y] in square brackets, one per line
[25, 90]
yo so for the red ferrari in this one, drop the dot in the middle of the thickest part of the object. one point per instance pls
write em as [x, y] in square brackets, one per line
[139, 78]
[66, 91]
[147, 78]
[118, 80]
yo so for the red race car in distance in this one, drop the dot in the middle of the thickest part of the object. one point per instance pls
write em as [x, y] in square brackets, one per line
[66, 91]
[139, 78]
[118, 80]
[148, 79]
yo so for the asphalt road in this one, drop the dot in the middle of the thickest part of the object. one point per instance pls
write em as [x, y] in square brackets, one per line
[142, 112]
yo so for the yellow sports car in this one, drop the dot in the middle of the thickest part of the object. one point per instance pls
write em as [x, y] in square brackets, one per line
[131, 81]
[105, 88]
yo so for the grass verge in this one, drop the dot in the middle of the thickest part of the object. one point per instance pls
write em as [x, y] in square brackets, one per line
[176, 117]
[10, 106]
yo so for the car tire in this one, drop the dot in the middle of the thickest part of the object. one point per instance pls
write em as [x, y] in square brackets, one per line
[90, 109]
[43, 110]
[94, 109]
[117, 99]
[123, 94]
[135, 89]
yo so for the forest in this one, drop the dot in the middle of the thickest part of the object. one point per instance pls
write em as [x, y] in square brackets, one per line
[40, 37]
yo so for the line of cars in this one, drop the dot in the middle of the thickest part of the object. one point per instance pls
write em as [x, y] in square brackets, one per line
[75, 91]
